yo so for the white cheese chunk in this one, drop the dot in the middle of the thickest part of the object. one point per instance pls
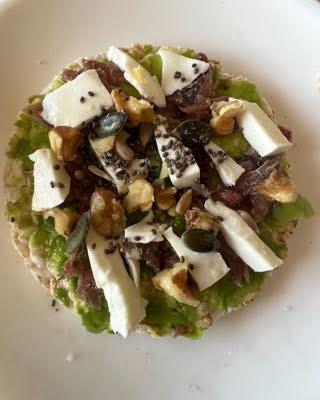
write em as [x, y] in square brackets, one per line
[126, 306]
[77, 101]
[242, 239]
[174, 153]
[145, 231]
[179, 71]
[147, 85]
[51, 180]
[260, 131]
[208, 267]
[227, 168]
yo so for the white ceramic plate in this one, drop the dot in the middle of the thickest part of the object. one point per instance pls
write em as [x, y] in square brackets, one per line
[268, 350]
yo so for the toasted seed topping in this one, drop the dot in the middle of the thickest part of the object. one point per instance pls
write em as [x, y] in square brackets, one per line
[177, 74]
[82, 99]
[91, 94]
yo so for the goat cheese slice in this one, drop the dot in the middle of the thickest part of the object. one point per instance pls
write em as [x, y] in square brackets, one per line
[126, 306]
[147, 85]
[77, 101]
[182, 166]
[145, 231]
[208, 267]
[242, 239]
[51, 180]
[260, 131]
[179, 71]
[227, 168]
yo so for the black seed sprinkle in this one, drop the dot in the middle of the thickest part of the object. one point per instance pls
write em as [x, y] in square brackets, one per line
[165, 154]
[154, 231]
[12, 219]
[57, 166]
[52, 184]
[60, 185]
[91, 94]
[183, 79]
[137, 238]
[163, 148]
[53, 303]
[177, 74]
[196, 70]
[182, 259]
[191, 266]
[93, 246]
[194, 65]
[109, 251]
[82, 99]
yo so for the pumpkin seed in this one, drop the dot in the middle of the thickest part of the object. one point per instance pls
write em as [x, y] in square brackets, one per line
[194, 132]
[110, 124]
[78, 235]
[200, 240]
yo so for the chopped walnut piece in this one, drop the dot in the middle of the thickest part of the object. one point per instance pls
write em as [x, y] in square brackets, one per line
[138, 110]
[174, 282]
[64, 142]
[277, 187]
[107, 215]
[198, 219]
[140, 196]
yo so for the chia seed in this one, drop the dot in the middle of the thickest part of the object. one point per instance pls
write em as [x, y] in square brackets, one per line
[82, 99]
[191, 266]
[194, 65]
[93, 246]
[56, 167]
[52, 184]
[183, 79]
[177, 75]
[163, 148]
[165, 154]
[12, 219]
[154, 231]
[137, 238]
[53, 303]
[91, 94]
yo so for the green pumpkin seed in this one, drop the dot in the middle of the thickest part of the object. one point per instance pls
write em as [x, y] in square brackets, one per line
[110, 124]
[194, 132]
[200, 240]
[78, 235]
